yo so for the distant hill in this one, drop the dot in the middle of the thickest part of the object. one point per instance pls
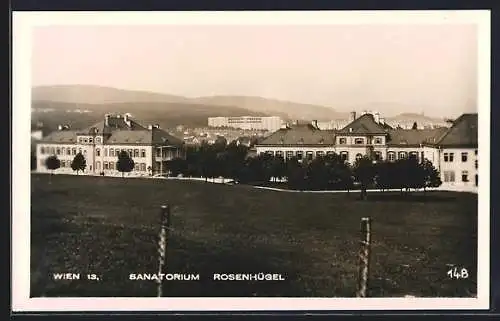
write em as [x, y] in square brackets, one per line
[293, 111]
[90, 94]
[165, 114]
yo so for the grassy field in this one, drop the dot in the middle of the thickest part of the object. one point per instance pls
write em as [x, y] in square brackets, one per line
[109, 226]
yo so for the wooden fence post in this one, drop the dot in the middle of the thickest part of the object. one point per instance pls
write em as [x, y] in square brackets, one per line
[364, 257]
[162, 244]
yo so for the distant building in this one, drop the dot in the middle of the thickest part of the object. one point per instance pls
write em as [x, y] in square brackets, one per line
[271, 123]
[150, 147]
[453, 151]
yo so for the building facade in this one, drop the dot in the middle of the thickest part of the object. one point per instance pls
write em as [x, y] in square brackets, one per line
[271, 123]
[150, 147]
[453, 151]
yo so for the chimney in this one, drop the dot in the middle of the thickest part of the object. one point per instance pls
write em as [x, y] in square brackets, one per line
[352, 116]
[106, 120]
[150, 127]
[156, 126]
[376, 117]
[382, 120]
[315, 124]
[59, 127]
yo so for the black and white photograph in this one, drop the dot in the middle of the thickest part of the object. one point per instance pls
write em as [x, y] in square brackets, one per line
[327, 158]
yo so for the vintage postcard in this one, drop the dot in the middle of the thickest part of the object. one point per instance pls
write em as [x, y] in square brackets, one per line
[251, 161]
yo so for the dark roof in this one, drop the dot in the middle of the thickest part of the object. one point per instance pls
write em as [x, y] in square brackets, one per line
[300, 134]
[413, 137]
[364, 125]
[118, 132]
[463, 133]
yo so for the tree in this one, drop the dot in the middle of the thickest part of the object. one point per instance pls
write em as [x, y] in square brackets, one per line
[431, 175]
[317, 174]
[415, 126]
[125, 163]
[79, 163]
[364, 172]
[52, 163]
[295, 173]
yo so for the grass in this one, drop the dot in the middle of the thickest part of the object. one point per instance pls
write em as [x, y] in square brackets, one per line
[109, 226]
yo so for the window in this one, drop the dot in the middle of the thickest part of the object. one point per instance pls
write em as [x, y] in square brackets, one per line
[73, 151]
[475, 163]
[449, 176]
[377, 155]
[52, 151]
[344, 156]
[98, 139]
[402, 155]
[413, 155]
[63, 150]
[464, 156]
[465, 176]
[448, 157]
[342, 140]
[391, 156]
[58, 151]
[63, 163]
[90, 140]
[98, 152]
[320, 154]
[309, 155]
[80, 140]
[143, 167]
[79, 150]
[279, 154]
[136, 166]
[130, 153]
[105, 165]
[105, 152]
[97, 165]
[136, 153]
[111, 165]
[111, 152]
[143, 153]
[85, 140]
[42, 150]
[289, 154]
[158, 152]
[378, 140]
[359, 156]
[475, 152]
[300, 155]
[68, 151]
[359, 141]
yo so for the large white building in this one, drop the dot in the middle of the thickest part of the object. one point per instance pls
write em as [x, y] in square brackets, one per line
[270, 123]
[150, 147]
[453, 151]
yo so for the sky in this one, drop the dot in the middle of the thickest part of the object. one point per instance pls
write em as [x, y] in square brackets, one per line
[431, 69]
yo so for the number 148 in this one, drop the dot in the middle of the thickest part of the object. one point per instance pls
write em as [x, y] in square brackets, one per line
[458, 274]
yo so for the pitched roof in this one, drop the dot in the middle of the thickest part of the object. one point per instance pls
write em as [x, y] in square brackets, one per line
[118, 132]
[300, 135]
[365, 124]
[413, 137]
[464, 132]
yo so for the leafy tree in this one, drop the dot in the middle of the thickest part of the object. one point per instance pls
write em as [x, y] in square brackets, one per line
[278, 169]
[176, 166]
[125, 163]
[317, 173]
[295, 173]
[79, 163]
[431, 175]
[415, 126]
[364, 172]
[52, 163]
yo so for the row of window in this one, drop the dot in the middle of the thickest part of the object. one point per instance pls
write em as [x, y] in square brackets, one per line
[449, 157]
[73, 151]
[112, 166]
[359, 141]
[89, 140]
[391, 156]
[449, 176]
